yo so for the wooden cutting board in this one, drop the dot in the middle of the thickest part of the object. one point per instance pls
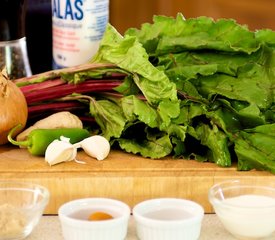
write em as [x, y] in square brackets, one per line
[122, 176]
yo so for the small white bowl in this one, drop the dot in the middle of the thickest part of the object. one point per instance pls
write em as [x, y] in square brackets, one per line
[246, 209]
[168, 219]
[75, 225]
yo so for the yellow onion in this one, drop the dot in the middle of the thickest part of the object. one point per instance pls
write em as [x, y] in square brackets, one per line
[13, 107]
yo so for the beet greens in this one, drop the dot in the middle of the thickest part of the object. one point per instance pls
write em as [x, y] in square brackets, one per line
[202, 89]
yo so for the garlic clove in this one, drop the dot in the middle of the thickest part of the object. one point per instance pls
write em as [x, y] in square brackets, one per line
[96, 146]
[60, 151]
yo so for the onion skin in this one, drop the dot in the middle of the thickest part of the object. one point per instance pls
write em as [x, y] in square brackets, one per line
[13, 107]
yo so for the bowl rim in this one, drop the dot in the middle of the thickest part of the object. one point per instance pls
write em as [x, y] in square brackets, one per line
[29, 186]
[196, 218]
[237, 183]
[65, 217]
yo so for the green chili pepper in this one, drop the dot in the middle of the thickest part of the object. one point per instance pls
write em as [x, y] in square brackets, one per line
[39, 139]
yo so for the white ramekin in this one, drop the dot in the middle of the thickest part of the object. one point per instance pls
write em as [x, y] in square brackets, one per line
[76, 229]
[187, 227]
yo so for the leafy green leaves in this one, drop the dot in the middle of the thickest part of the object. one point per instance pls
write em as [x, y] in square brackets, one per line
[109, 117]
[202, 89]
[153, 147]
[194, 34]
[128, 54]
[255, 148]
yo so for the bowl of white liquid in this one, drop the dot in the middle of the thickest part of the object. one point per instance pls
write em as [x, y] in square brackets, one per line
[168, 219]
[246, 209]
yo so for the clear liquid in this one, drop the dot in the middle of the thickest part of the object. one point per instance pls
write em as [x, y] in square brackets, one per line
[169, 214]
[84, 214]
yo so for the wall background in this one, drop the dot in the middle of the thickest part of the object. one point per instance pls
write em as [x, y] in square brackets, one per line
[254, 13]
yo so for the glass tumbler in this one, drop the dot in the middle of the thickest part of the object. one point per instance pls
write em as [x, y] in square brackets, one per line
[13, 47]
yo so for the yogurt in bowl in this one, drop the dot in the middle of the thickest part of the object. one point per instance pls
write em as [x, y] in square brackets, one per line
[246, 210]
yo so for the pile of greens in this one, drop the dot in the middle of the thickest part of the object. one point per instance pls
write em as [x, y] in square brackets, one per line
[208, 86]
[193, 89]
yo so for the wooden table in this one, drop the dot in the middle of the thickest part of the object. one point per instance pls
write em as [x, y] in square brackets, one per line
[123, 176]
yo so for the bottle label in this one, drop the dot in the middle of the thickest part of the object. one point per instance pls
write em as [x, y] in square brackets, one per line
[78, 26]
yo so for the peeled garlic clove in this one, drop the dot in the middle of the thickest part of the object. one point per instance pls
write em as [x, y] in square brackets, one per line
[96, 146]
[60, 151]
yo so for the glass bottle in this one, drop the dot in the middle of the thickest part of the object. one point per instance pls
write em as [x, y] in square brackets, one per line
[13, 47]
[77, 29]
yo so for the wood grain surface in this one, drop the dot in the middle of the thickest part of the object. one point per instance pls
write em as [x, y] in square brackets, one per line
[122, 176]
